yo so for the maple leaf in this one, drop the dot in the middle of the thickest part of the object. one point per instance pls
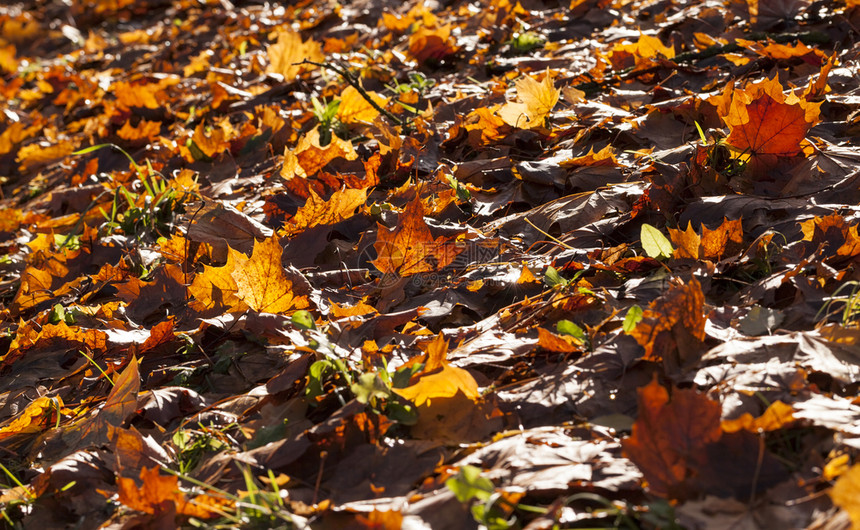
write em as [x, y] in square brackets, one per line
[537, 100]
[766, 125]
[317, 211]
[669, 438]
[410, 247]
[290, 49]
[673, 327]
[439, 379]
[777, 416]
[259, 282]
[712, 244]
[160, 492]
[120, 404]
[309, 156]
[447, 400]
[643, 52]
[846, 494]
[38, 415]
[144, 130]
[355, 109]
[431, 43]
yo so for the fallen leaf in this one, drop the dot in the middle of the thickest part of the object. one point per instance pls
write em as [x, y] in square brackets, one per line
[159, 493]
[410, 248]
[536, 101]
[670, 437]
[766, 125]
[289, 50]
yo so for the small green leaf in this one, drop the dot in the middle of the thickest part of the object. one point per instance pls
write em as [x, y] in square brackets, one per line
[566, 327]
[634, 315]
[57, 314]
[552, 278]
[655, 243]
[316, 377]
[369, 388]
[303, 320]
[468, 484]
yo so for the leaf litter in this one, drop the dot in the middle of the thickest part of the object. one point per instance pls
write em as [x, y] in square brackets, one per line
[380, 265]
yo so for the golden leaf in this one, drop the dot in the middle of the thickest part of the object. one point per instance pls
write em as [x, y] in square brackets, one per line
[289, 50]
[537, 100]
[261, 280]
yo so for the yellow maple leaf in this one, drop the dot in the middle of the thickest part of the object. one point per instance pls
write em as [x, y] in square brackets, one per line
[355, 109]
[439, 379]
[309, 156]
[318, 211]
[536, 101]
[289, 50]
[259, 282]
[215, 288]
[846, 494]
[262, 281]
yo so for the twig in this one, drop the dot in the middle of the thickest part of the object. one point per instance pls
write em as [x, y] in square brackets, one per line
[353, 82]
[810, 37]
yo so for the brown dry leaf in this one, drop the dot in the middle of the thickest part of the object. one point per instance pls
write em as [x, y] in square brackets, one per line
[670, 437]
[536, 101]
[432, 43]
[159, 493]
[120, 404]
[290, 49]
[673, 327]
[410, 247]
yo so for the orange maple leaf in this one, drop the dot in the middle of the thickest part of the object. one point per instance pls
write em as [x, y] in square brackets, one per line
[159, 491]
[669, 437]
[712, 244]
[410, 247]
[673, 327]
[766, 124]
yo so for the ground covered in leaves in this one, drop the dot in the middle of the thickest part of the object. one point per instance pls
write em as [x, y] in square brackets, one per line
[375, 264]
